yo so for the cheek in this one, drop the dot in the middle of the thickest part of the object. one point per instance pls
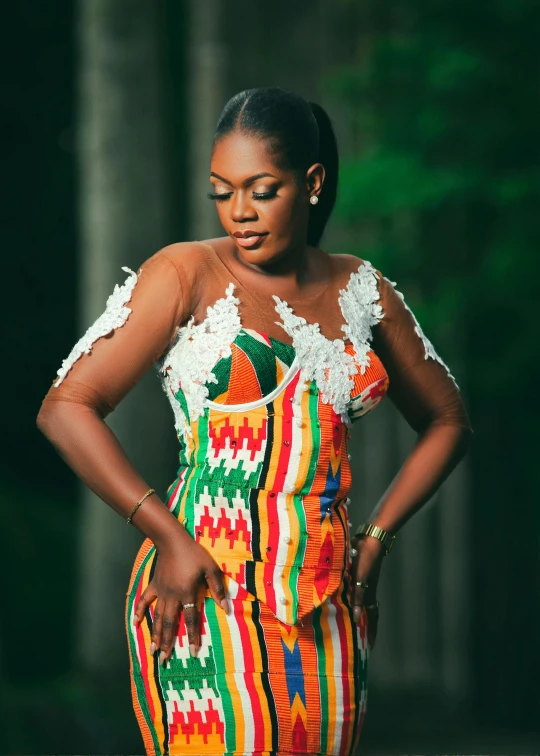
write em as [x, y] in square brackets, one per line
[285, 218]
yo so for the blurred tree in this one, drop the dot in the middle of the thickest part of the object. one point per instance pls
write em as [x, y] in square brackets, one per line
[123, 167]
[443, 186]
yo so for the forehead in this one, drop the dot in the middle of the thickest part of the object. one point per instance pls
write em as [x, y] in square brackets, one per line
[240, 155]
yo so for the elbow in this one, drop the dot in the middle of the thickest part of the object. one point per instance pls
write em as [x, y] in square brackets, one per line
[459, 441]
[456, 437]
[49, 420]
[55, 416]
[43, 420]
[464, 440]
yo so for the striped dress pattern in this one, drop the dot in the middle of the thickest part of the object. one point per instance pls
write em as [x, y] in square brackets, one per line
[262, 484]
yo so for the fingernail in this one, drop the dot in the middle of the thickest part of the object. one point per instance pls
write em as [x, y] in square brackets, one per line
[153, 648]
[225, 605]
[193, 649]
[135, 620]
[162, 657]
[356, 614]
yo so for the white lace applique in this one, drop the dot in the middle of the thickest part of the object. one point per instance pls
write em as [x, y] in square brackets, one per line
[428, 346]
[197, 349]
[115, 315]
[320, 359]
[359, 306]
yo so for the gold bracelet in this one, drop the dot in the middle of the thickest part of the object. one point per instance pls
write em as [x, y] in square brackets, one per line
[138, 504]
[377, 532]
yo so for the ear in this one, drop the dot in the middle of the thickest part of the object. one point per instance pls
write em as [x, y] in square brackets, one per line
[315, 179]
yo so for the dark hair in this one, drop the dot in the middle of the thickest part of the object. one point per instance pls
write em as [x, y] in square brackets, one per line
[299, 134]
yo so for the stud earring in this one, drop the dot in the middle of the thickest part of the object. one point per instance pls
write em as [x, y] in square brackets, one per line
[313, 199]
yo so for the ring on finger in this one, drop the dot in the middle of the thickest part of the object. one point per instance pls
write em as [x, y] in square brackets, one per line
[354, 552]
[362, 584]
[188, 606]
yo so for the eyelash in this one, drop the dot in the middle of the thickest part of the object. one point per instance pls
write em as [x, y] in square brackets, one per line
[258, 196]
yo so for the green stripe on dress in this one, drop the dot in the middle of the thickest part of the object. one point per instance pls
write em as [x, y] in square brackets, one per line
[222, 371]
[323, 684]
[221, 680]
[263, 362]
[285, 352]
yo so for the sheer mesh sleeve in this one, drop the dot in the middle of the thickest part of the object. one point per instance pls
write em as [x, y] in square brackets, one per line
[421, 385]
[137, 326]
[427, 396]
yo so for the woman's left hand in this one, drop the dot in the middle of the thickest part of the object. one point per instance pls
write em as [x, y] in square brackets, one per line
[366, 567]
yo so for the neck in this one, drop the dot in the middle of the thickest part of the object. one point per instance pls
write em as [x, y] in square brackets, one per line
[293, 265]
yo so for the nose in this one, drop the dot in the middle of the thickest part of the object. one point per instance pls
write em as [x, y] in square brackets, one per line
[241, 207]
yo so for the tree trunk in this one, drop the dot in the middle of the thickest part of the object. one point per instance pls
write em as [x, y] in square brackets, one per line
[123, 220]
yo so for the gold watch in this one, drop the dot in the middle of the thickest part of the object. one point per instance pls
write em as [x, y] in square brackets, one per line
[368, 529]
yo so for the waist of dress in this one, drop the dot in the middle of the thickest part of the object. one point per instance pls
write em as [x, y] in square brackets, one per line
[220, 480]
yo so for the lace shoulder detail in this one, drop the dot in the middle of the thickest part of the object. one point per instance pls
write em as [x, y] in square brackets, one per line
[360, 308]
[320, 359]
[197, 349]
[429, 349]
[114, 316]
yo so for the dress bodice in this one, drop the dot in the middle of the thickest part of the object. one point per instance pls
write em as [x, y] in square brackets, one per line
[265, 473]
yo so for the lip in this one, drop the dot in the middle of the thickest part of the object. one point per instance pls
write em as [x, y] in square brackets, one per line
[249, 239]
[248, 232]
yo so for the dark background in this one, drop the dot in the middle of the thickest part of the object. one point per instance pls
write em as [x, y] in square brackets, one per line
[436, 104]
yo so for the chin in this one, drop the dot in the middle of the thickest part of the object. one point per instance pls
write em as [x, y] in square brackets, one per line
[257, 257]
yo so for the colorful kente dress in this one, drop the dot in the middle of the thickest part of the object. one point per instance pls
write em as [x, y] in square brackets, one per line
[263, 484]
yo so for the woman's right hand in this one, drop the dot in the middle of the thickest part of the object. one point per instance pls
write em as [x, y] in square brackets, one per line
[182, 569]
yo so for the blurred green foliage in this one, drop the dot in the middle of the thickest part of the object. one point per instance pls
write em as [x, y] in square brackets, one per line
[440, 187]
[443, 182]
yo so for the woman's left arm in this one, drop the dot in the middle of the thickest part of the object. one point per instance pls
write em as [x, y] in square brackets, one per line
[427, 396]
[425, 393]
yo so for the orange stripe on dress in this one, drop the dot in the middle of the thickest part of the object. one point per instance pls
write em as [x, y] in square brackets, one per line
[139, 715]
[245, 387]
[373, 373]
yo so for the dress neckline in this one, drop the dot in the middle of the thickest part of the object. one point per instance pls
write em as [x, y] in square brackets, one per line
[197, 348]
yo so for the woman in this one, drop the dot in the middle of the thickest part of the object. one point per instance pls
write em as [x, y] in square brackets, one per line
[250, 614]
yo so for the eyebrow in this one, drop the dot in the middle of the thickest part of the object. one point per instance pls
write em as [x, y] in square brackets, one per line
[247, 181]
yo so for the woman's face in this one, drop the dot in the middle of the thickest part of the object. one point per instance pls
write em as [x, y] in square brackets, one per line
[258, 200]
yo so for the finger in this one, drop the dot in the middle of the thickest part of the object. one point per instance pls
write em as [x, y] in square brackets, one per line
[157, 626]
[358, 600]
[169, 629]
[216, 584]
[147, 597]
[372, 622]
[353, 560]
[191, 618]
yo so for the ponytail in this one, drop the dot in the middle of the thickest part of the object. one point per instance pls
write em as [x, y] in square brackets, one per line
[328, 156]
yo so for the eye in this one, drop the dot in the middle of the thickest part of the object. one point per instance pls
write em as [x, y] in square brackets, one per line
[221, 196]
[265, 195]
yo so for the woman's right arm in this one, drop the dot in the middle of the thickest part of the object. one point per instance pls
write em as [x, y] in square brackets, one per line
[138, 326]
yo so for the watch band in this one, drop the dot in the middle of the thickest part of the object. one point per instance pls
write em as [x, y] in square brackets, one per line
[368, 529]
